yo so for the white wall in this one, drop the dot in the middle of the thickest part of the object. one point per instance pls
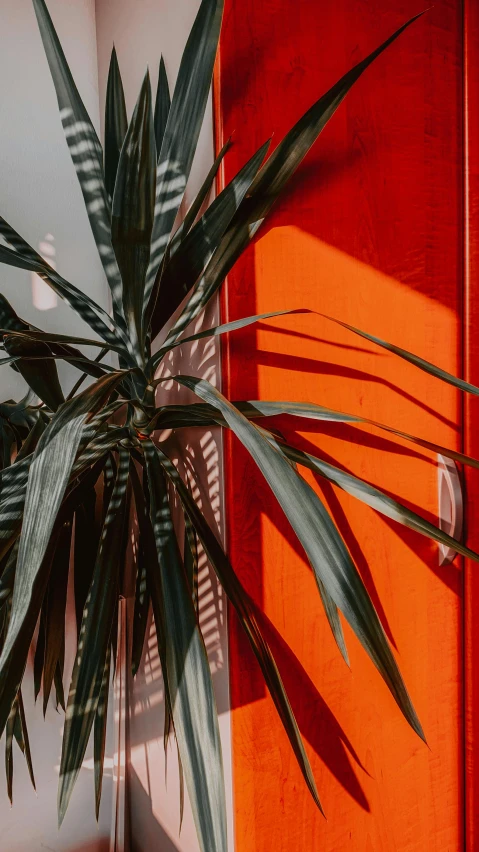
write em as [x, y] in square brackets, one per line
[142, 30]
[39, 195]
[39, 190]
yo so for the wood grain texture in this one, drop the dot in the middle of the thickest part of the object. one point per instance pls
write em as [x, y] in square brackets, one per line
[369, 231]
[471, 412]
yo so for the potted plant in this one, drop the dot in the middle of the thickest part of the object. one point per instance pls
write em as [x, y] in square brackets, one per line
[93, 452]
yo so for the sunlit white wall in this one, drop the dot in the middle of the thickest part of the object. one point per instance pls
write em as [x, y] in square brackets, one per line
[142, 30]
[41, 198]
[39, 191]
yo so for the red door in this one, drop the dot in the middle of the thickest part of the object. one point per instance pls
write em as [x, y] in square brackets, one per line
[371, 231]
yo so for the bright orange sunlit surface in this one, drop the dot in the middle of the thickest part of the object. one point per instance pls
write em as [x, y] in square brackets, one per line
[395, 204]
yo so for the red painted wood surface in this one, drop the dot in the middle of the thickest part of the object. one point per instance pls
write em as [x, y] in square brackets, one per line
[471, 411]
[370, 231]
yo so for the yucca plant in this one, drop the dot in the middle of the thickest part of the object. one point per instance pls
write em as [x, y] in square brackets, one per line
[72, 460]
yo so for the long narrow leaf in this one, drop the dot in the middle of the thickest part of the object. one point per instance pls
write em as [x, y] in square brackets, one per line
[162, 105]
[217, 330]
[85, 150]
[86, 541]
[23, 256]
[93, 646]
[421, 363]
[99, 734]
[321, 541]
[272, 178]
[55, 609]
[286, 158]
[22, 738]
[133, 210]
[200, 243]
[183, 128]
[189, 679]
[48, 477]
[195, 208]
[176, 416]
[245, 611]
[372, 496]
[17, 729]
[142, 606]
[334, 621]
[116, 123]
[9, 737]
[153, 577]
[41, 375]
[42, 378]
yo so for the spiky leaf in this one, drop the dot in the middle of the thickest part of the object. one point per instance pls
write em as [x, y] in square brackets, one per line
[189, 679]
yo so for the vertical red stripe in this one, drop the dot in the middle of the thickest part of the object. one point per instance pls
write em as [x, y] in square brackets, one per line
[471, 432]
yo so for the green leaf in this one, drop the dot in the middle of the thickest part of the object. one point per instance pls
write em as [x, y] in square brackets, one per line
[176, 416]
[27, 332]
[9, 319]
[133, 210]
[153, 578]
[13, 483]
[277, 170]
[25, 257]
[76, 387]
[39, 657]
[9, 736]
[262, 408]
[372, 496]
[189, 679]
[162, 105]
[55, 608]
[116, 123]
[42, 378]
[142, 606]
[9, 752]
[164, 302]
[199, 245]
[17, 328]
[42, 375]
[215, 331]
[35, 355]
[85, 150]
[290, 152]
[190, 559]
[48, 476]
[246, 615]
[334, 620]
[86, 541]
[59, 691]
[22, 738]
[94, 640]
[183, 127]
[195, 208]
[17, 729]
[426, 366]
[99, 732]
[322, 543]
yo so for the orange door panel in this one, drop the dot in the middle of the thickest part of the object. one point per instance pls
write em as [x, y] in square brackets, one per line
[369, 231]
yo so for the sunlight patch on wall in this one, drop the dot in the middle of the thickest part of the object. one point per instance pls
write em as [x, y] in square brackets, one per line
[43, 297]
